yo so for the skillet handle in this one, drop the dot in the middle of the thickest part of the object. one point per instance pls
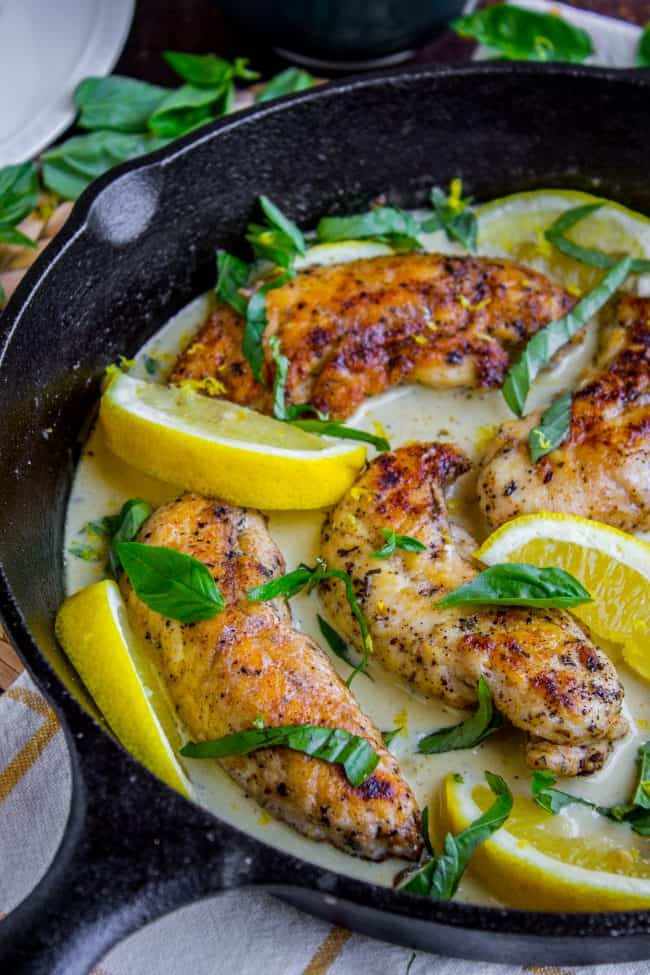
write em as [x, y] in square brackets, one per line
[132, 851]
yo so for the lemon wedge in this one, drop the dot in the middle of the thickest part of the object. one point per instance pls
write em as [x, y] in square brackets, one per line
[93, 629]
[536, 862]
[612, 565]
[221, 449]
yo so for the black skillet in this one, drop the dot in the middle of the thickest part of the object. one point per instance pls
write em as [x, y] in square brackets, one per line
[138, 246]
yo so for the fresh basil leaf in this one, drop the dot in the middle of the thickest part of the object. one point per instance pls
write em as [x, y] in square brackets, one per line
[553, 428]
[543, 346]
[70, 167]
[173, 584]
[385, 223]
[208, 70]
[525, 35]
[551, 799]
[332, 745]
[285, 83]
[332, 428]
[643, 54]
[280, 240]
[454, 215]
[18, 194]
[287, 585]
[10, 235]
[556, 235]
[389, 736]
[339, 647]
[101, 527]
[187, 107]
[393, 541]
[255, 324]
[88, 553]
[641, 798]
[121, 104]
[426, 832]
[520, 584]
[470, 732]
[124, 527]
[232, 276]
[439, 877]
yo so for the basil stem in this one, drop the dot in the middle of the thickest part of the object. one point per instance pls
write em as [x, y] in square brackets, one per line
[470, 732]
[339, 647]
[553, 427]
[520, 584]
[332, 745]
[556, 235]
[171, 583]
[393, 541]
[387, 224]
[525, 35]
[285, 83]
[438, 878]
[543, 346]
[123, 528]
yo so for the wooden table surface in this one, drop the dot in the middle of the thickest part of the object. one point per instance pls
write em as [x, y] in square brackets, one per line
[198, 26]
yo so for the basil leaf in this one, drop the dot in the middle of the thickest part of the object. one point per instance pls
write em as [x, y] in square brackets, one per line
[280, 240]
[553, 428]
[470, 732]
[285, 83]
[454, 215]
[525, 35]
[121, 104]
[393, 541]
[389, 736]
[643, 54]
[543, 346]
[10, 235]
[280, 409]
[385, 223]
[173, 584]
[256, 322]
[188, 107]
[287, 585]
[426, 832]
[70, 167]
[556, 235]
[232, 276]
[332, 428]
[18, 195]
[550, 799]
[3, 296]
[332, 745]
[339, 647]
[520, 584]
[439, 877]
[124, 527]
[208, 70]
[641, 797]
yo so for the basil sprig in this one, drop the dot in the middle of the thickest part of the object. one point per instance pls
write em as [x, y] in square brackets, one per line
[553, 427]
[470, 732]
[171, 583]
[308, 577]
[543, 346]
[278, 240]
[386, 224]
[285, 83]
[18, 197]
[339, 647]
[123, 528]
[520, 584]
[393, 541]
[643, 54]
[358, 758]
[454, 215]
[439, 876]
[525, 35]
[556, 235]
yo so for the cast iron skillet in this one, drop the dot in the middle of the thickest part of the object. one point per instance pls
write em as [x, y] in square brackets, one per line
[140, 245]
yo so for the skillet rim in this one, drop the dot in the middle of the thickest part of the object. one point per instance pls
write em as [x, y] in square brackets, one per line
[603, 926]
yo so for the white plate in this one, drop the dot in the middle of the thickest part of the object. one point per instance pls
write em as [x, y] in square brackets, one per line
[45, 50]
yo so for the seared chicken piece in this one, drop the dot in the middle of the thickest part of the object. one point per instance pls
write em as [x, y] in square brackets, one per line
[545, 674]
[353, 330]
[602, 470]
[249, 662]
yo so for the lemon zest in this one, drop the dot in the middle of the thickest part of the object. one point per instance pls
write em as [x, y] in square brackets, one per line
[208, 385]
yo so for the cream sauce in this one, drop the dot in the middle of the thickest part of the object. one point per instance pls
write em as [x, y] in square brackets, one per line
[102, 483]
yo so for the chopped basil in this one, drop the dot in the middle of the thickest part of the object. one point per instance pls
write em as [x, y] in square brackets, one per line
[556, 235]
[173, 584]
[339, 647]
[470, 732]
[255, 324]
[438, 877]
[389, 225]
[208, 70]
[525, 35]
[232, 276]
[88, 553]
[389, 736]
[543, 346]
[393, 541]
[332, 745]
[454, 215]
[280, 240]
[553, 428]
[643, 54]
[124, 527]
[332, 428]
[285, 83]
[117, 103]
[520, 584]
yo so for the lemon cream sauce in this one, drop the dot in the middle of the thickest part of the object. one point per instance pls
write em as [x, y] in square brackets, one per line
[102, 483]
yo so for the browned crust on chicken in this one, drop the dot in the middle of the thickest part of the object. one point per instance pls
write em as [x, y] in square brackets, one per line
[602, 470]
[249, 662]
[354, 330]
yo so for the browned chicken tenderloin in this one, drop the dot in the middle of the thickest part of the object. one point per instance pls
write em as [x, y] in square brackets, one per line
[354, 330]
[249, 662]
[545, 674]
[602, 470]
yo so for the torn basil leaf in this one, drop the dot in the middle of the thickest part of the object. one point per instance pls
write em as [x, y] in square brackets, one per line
[389, 736]
[393, 541]
[358, 758]
[454, 215]
[285, 83]
[520, 584]
[544, 344]
[556, 235]
[332, 428]
[171, 583]
[339, 647]
[553, 428]
[470, 732]
[389, 225]
[280, 240]
[123, 528]
[232, 276]
[525, 35]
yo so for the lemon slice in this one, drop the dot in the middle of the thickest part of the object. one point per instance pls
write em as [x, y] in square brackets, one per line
[221, 449]
[93, 629]
[612, 565]
[536, 862]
